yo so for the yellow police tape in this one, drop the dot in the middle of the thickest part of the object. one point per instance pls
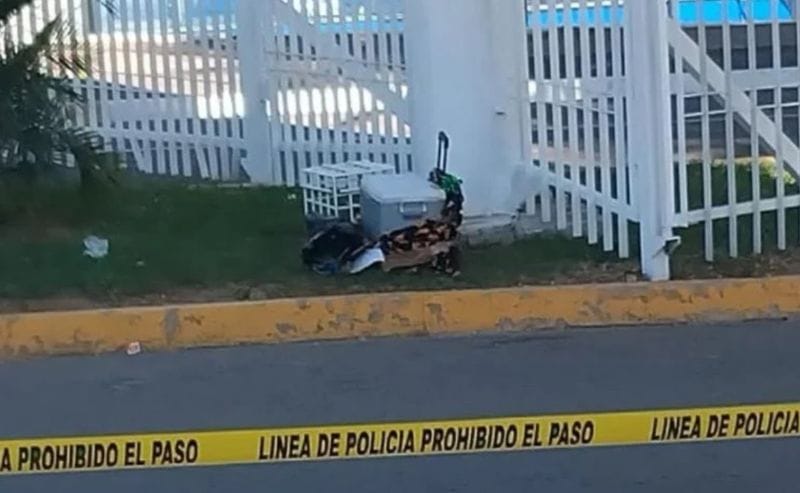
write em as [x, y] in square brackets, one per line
[213, 448]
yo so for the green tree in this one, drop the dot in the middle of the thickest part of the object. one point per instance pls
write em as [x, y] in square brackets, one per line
[37, 108]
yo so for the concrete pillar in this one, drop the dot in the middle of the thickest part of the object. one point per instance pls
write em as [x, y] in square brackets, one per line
[650, 132]
[467, 70]
[254, 26]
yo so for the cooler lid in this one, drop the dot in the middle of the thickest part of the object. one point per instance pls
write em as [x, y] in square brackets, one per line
[401, 188]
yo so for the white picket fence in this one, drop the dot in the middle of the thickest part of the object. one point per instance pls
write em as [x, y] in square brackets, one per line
[171, 88]
[736, 83]
[337, 86]
[578, 94]
[164, 85]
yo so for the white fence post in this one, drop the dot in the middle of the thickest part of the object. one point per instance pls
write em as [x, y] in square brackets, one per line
[650, 133]
[254, 24]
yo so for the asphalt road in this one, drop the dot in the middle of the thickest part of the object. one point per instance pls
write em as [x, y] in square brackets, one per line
[412, 379]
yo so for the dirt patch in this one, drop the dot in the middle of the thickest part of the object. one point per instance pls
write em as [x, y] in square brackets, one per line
[774, 264]
[766, 265]
[583, 273]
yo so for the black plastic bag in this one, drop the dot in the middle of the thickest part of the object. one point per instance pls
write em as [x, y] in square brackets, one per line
[328, 251]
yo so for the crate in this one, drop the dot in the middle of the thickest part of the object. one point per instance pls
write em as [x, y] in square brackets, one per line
[334, 190]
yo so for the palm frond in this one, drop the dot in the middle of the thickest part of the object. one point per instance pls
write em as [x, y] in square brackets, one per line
[109, 5]
[37, 129]
[10, 7]
[47, 45]
[95, 165]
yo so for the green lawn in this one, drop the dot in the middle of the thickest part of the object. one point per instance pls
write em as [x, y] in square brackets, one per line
[170, 238]
[693, 237]
[174, 242]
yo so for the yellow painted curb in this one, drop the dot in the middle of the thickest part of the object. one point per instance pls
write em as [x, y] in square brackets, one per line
[446, 312]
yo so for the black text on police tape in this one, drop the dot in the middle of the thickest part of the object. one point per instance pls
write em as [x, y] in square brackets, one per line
[87, 456]
[742, 424]
[425, 440]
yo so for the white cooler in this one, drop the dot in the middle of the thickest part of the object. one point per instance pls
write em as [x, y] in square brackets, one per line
[391, 202]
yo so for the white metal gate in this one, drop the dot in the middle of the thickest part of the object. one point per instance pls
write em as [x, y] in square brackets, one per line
[578, 89]
[335, 83]
[735, 83]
